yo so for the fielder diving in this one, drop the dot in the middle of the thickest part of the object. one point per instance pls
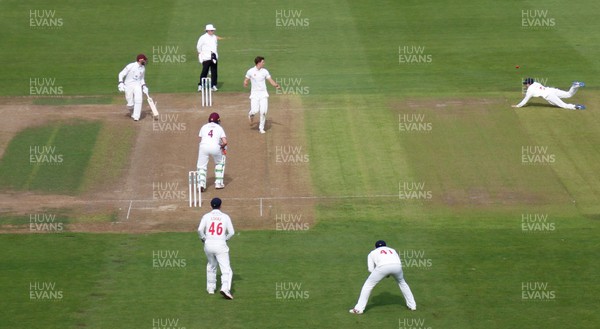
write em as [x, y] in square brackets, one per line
[133, 84]
[213, 143]
[551, 95]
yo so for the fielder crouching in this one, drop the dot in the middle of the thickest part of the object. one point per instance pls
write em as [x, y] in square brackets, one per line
[132, 83]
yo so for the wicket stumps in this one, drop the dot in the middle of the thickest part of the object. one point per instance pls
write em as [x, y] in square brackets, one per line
[206, 92]
[195, 195]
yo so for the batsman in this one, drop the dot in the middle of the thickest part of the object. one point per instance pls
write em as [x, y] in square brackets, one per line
[133, 84]
[213, 143]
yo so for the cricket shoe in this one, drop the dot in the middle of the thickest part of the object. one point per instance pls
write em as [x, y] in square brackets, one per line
[580, 107]
[262, 131]
[219, 186]
[210, 291]
[226, 294]
[214, 88]
[199, 88]
[355, 311]
[578, 84]
[412, 309]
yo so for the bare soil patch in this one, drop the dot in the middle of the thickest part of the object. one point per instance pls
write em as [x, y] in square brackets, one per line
[152, 194]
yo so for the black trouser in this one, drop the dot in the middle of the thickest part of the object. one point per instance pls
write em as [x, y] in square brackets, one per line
[209, 64]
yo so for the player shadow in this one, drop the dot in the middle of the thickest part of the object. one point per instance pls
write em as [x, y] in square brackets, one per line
[210, 182]
[268, 124]
[385, 298]
[544, 105]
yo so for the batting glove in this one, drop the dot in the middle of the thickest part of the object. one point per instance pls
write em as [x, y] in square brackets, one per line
[121, 87]
[144, 89]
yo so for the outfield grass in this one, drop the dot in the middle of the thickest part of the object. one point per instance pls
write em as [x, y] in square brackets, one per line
[349, 60]
[346, 47]
[112, 281]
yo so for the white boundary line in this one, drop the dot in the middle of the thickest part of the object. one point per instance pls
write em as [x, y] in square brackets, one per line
[333, 197]
[129, 210]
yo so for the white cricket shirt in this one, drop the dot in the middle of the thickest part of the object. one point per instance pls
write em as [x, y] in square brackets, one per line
[133, 74]
[257, 78]
[211, 134]
[382, 256]
[215, 226]
[536, 89]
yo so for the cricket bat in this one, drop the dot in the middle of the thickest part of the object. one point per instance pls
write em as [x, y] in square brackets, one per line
[152, 106]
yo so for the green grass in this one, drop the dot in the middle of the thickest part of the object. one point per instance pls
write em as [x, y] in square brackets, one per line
[110, 154]
[109, 280]
[348, 58]
[50, 158]
[347, 47]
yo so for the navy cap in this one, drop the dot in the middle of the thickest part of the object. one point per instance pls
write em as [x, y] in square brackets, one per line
[528, 81]
[380, 243]
[215, 203]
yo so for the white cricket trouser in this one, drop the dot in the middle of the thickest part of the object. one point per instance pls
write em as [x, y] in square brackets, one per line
[134, 97]
[260, 105]
[205, 151]
[217, 253]
[554, 97]
[378, 274]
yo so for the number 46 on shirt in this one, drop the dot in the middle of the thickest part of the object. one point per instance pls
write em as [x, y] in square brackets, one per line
[216, 229]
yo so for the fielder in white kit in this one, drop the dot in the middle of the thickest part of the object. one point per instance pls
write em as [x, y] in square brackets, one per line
[259, 97]
[383, 262]
[214, 230]
[551, 95]
[213, 143]
[133, 84]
